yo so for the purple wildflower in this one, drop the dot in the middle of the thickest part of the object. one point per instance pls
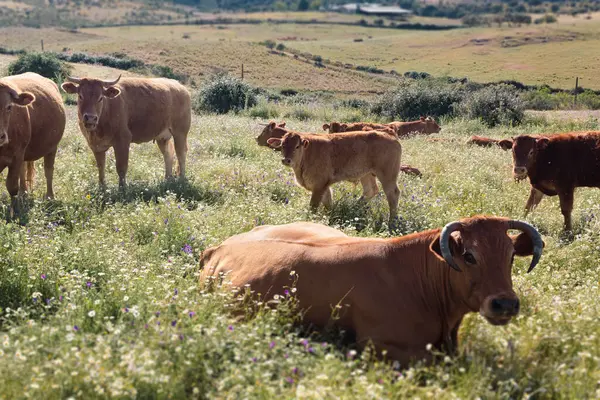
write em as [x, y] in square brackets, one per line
[75, 328]
[176, 292]
[60, 298]
[289, 380]
[380, 381]
[180, 337]
[43, 276]
[286, 292]
[304, 342]
[230, 327]
[254, 359]
[126, 309]
[88, 284]
[191, 314]
[157, 313]
[174, 322]
[311, 350]
[187, 249]
[271, 345]
[295, 370]
[145, 326]
[324, 344]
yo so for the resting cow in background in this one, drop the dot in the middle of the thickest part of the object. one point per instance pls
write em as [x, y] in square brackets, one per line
[32, 122]
[339, 127]
[424, 125]
[504, 144]
[132, 110]
[319, 161]
[556, 165]
[400, 293]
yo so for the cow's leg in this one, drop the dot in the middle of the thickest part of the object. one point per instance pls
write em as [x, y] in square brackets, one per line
[167, 150]
[369, 185]
[122, 161]
[101, 163]
[317, 196]
[535, 196]
[12, 185]
[49, 173]
[23, 179]
[181, 151]
[566, 206]
[30, 179]
[327, 198]
[392, 192]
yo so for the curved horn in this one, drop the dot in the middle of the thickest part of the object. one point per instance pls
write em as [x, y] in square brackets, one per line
[74, 80]
[111, 83]
[534, 235]
[445, 243]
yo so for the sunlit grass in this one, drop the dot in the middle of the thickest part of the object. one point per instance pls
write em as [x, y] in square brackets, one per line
[99, 293]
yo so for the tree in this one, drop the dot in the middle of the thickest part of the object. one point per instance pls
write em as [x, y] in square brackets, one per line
[303, 5]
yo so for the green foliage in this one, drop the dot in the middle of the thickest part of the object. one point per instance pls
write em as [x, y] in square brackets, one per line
[45, 64]
[413, 99]
[494, 105]
[223, 93]
[122, 62]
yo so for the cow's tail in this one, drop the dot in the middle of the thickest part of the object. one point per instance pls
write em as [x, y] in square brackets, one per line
[29, 180]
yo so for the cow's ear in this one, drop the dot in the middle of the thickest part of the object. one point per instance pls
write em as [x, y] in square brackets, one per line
[541, 143]
[272, 125]
[111, 92]
[505, 144]
[523, 244]
[325, 127]
[282, 125]
[305, 143]
[422, 118]
[24, 99]
[70, 87]
[455, 246]
[274, 143]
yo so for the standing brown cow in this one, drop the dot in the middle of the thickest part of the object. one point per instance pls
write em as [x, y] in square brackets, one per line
[132, 110]
[556, 165]
[400, 293]
[319, 161]
[32, 122]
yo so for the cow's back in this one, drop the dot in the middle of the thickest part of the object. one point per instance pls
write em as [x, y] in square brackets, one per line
[151, 106]
[47, 116]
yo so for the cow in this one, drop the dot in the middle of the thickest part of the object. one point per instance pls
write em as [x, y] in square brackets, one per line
[132, 110]
[32, 123]
[338, 127]
[271, 130]
[424, 125]
[504, 144]
[319, 161]
[556, 165]
[401, 293]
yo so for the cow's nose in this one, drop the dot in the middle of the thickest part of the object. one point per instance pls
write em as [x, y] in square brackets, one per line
[520, 170]
[90, 118]
[286, 161]
[503, 306]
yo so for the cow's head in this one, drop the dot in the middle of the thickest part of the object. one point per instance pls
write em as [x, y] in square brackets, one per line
[429, 125]
[92, 93]
[292, 147]
[524, 150]
[481, 252]
[271, 130]
[335, 127]
[10, 98]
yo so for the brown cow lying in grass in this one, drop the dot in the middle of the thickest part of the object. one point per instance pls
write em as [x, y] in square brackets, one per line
[32, 122]
[132, 110]
[556, 165]
[401, 293]
[504, 144]
[319, 161]
[424, 125]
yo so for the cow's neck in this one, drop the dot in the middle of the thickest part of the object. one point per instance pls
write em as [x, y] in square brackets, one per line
[439, 284]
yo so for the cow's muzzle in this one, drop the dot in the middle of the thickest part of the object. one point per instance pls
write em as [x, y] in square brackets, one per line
[286, 161]
[3, 139]
[499, 310]
[520, 173]
[90, 121]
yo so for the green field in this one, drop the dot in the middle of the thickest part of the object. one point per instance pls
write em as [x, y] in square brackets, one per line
[100, 298]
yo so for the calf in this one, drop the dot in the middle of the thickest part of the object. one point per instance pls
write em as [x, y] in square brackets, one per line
[424, 125]
[32, 122]
[132, 110]
[338, 127]
[504, 144]
[556, 165]
[399, 293]
[319, 161]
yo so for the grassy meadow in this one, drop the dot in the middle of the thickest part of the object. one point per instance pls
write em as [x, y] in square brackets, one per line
[99, 291]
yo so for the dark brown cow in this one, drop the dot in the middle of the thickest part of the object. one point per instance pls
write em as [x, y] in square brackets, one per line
[32, 122]
[504, 144]
[556, 165]
[400, 293]
[132, 110]
[319, 161]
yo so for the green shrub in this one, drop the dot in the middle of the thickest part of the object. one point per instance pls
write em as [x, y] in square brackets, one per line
[589, 100]
[412, 99]
[166, 72]
[494, 105]
[223, 93]
[264, 110]
[45, 64]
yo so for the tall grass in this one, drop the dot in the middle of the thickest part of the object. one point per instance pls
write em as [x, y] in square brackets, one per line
[99, 292]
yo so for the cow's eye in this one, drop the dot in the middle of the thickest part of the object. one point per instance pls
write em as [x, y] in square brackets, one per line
[100, 99]
[9, 107]
[469, 258]
[298, 146]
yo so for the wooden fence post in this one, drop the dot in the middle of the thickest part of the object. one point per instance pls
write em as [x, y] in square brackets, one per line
[576, 91]
[242, 71]
[42, 45]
